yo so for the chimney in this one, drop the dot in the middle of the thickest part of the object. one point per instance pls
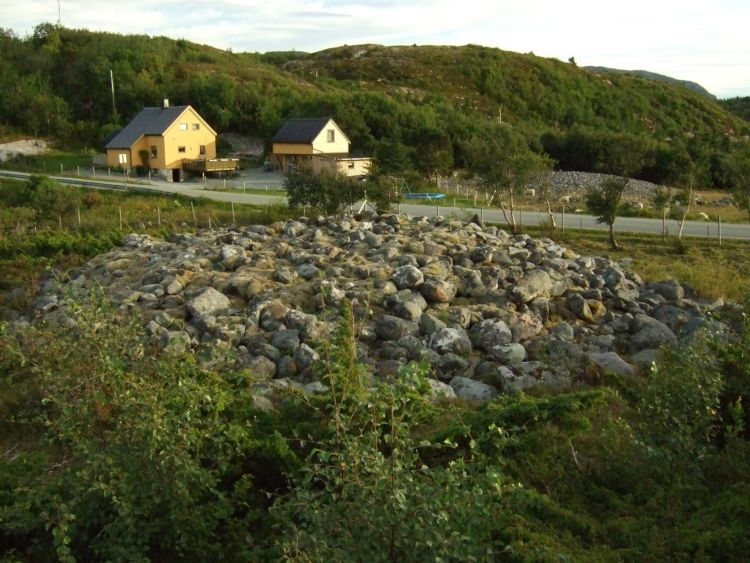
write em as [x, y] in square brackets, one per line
[166, 103]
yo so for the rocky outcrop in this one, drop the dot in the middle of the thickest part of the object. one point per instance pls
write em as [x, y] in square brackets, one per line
[487, 311]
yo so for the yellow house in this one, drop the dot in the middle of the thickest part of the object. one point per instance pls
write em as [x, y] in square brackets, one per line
[317, 143]
[166, 141]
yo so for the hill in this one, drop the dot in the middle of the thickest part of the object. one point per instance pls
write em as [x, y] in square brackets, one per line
[422, 109]
[694, 86]
[739, 106]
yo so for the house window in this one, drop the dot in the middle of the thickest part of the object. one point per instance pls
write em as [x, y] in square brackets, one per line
[180, 149]
[196, 126]
[203, 150]
[331, 135]
[183, 126]
[153, 151]
[123, 158]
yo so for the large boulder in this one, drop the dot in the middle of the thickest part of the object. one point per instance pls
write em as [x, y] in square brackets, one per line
[407, 277]
[470, 390]
[388, 327]
[451, 340]
[489, 333]
[534, 283]
[207, 302]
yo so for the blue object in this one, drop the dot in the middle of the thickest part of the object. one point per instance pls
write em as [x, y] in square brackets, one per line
[429, 196]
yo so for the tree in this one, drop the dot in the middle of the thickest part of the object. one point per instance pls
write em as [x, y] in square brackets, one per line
[662, 200]
[522, 167]
[605, 203]
[329, 192]
[739, 167]
[684, 199]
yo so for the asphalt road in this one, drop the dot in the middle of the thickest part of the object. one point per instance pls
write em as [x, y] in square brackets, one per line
[529, 218]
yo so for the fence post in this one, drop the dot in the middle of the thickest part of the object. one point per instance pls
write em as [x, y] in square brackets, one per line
[437, 210]
[93, 171]
[158, 215]
[481, 214]
[61, 168]
[399, 209]
[233, 220]
[78, 171]
[78, 211]
[195, 219]
[563, 219]
[119, 209]
[520, 218]
[109, 172]
[719, 226]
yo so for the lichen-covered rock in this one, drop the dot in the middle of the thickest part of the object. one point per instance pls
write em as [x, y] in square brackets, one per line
[208, 301]
[470, 390]
[451, 339]
[407, 277]
[489, 333]
[388, 327]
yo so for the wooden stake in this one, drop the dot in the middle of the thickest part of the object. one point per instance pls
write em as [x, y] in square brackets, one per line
[719, 226]
[119, 208]
[59, 219]
[234, 222]
[563, 220]
[78, 210]
[158, 215]
[195, 219]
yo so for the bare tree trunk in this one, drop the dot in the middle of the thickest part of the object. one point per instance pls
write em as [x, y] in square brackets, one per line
[687, 209]
[551, 215]
[509, 214]
[612, 241]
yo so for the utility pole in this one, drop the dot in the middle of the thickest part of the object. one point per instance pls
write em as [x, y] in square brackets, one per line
[59, 18]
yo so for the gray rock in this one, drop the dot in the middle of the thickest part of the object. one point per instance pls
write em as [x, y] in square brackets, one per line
[440, 391]
[611, 362]
[438, 291]
[470, 390]
[534, 283]
[508, 354]
[645, 358]
[671, 290]
[579, 307]
[285, 275]
[286, 367]
[308, 271]
[407, 277]
[304, 357]
[260, 366]
[650, 333]
[451, 339]
[208, 301]
[563, 331]
[490, 333]
[429, 324]
[286, 341]
[414, 347]
[388, 327]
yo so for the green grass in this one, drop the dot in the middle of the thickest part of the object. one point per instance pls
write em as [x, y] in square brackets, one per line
[713, 271]
[49, 163]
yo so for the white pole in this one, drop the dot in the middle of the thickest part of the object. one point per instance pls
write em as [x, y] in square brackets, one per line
[93, 172]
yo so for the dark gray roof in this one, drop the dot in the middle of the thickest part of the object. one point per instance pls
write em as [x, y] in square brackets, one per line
[300, 130]
[149, 121]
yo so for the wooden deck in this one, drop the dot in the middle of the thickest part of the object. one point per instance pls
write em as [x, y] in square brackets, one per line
[212, 165]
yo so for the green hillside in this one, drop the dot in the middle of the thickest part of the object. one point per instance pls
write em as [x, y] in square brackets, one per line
[739, 106]
[413, 108]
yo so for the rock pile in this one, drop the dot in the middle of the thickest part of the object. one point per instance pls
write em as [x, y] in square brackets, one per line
[488, 311]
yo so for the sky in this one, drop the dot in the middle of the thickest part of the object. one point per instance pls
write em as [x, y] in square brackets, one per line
[705, 41]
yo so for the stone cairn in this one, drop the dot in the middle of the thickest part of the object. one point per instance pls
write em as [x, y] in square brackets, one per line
[488, 311]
